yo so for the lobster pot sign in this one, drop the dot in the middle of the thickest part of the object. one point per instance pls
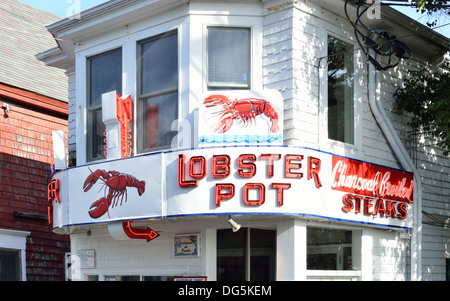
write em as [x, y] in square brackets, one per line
[271, 180]
[241, 117]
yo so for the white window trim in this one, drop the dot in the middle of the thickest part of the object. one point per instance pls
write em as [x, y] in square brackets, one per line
[82, 97]
[16, 240]
[325, 143]
[256, 32]
[104, 273]
[206, 75]
[357, 245]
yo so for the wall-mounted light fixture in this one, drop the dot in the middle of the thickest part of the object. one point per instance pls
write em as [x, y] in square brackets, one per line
[5, 107]
[235, 226]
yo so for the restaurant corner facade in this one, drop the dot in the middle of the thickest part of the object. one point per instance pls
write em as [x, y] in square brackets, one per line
[244, 140]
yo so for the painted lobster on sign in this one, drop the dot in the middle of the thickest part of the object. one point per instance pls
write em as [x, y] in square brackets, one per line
[245, 109]
[117, 183]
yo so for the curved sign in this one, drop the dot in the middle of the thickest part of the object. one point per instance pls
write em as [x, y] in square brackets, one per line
[274, 180]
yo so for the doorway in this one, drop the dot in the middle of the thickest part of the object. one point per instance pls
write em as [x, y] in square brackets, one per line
[246, 255]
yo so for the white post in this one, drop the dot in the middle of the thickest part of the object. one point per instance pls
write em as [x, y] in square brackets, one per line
[59, 150]
[109, 116]
[291, 250]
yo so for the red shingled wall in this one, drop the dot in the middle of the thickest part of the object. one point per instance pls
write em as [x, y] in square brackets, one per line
[25, 158]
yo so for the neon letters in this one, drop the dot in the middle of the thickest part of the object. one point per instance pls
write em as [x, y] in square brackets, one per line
[221, 168]
[52, 194]
[369, 189]
[372, 190]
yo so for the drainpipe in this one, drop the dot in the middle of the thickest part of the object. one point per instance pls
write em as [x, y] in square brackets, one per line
[407, 164]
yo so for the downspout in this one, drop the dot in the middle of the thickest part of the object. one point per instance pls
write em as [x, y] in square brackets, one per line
[407, 164]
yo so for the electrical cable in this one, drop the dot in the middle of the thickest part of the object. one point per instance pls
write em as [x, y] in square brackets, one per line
[382, 42]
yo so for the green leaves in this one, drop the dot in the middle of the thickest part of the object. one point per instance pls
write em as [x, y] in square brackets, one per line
[427, 99]
[429, 5]
[435, 8]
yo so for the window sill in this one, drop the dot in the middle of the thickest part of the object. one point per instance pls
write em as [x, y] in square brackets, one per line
[328, 275]
[341, 148]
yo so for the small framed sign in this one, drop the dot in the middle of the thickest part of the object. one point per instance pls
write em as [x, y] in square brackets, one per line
[186, 245]
[86, 259]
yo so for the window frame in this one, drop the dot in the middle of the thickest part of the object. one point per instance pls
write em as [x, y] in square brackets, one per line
[141, 98]
[247, 253]
[348, 132]
[356, 254]
[89, 110]
[359, 93]
[229, 86]
[16, 241]
[129, 80]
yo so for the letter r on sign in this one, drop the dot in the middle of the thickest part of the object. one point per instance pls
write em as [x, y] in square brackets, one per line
[313, 170]
[53, 191]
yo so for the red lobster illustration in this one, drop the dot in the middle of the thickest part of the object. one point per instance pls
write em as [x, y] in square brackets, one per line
[117, 183]
[245, 109]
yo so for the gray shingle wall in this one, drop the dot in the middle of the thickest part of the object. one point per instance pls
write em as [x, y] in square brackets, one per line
[22, 36]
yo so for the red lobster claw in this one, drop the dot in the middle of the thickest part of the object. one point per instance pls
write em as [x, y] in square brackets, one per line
[98, 208]
[224, 125]
[93, 178]
[214, 100]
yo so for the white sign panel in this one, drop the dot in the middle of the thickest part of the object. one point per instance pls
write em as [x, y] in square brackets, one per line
[238, 117]
[112, 191]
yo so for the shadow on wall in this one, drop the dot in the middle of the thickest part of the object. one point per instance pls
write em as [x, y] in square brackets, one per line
[24, 207]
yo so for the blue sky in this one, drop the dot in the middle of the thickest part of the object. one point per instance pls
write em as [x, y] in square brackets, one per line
[443, 26]
[65, 8]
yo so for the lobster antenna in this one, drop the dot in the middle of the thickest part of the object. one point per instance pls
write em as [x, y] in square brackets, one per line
[104, 182]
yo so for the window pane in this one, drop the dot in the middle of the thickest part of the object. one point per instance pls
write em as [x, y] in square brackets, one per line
[105, 75]
[231, 255]
[159, 91]
[96, 130]
[340, 91]
[159, 60]
[329, 249]
[262, 254]
[9, 265]
[249, 254]
[161, 111]
[447, 269]
[228, 57]
[92, 278]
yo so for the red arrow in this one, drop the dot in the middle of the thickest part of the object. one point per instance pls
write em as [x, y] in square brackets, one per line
[134, 233]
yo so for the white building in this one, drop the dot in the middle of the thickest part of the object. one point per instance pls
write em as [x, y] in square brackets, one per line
[339, 201]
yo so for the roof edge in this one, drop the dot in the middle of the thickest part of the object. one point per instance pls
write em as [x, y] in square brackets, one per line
[32, 99]
[90, 14]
